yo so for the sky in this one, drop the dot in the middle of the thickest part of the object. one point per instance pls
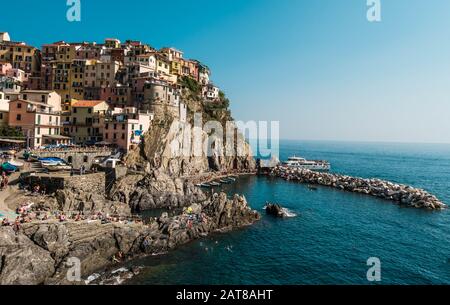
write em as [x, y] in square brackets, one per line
[319, 67]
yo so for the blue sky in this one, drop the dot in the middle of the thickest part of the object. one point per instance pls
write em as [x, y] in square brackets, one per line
[317, 66]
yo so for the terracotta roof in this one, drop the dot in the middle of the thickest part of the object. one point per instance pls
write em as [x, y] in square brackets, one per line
[86, 104]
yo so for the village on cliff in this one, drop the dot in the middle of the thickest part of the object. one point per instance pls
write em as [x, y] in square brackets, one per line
[89, 93]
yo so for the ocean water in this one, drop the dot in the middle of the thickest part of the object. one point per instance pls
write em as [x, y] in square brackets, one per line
[334, 232]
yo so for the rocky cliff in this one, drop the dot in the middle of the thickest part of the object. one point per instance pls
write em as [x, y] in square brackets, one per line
[171, 144]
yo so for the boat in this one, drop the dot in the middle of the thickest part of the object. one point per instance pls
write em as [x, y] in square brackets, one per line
[205, 185]
[51, 161]
[9, 168]
[302, 163]
[232, 178]
[214, 184]
[225, 181]
[16, 163]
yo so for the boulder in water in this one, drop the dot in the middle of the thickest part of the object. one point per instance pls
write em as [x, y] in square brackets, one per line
[275, 210]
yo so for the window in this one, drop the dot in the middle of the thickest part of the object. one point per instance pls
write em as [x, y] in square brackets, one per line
[140, 127]
[89, 110]
[115, 126]
[19, 105]
[39, 119]
[123, 136]
[38, 131]
[19, 117]
[106, 136]
[85, 159]
[115, 136]
[69, 159]
[74, 110]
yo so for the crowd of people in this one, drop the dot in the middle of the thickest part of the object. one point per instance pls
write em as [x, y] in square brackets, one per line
[72, 148]
[26, 214]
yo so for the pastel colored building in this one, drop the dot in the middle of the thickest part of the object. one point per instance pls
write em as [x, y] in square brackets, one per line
[162, 64]
[37, 121]
[84, 124]
[5, 67]
[21, 56]
[117, 96]
[189, 68]
[124, 127]
[172, 53]
[50, 97]
[210, 92]
[4, 110]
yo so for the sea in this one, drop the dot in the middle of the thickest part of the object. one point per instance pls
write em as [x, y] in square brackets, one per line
[333, 234]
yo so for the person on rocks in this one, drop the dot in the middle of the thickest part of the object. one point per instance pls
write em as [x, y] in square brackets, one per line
[62, 217]
[17, 225]
[5, 222]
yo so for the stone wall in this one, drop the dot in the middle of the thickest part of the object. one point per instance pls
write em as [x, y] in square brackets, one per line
[77, 157]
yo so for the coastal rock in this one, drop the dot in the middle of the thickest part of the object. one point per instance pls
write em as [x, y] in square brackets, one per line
[155, 190]
[275, 210]
[40, 252]
[402, 194]
[22, 262]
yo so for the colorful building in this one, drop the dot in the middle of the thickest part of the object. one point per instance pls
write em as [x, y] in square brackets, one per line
[39, 121]
[125, 126]
[84, 124]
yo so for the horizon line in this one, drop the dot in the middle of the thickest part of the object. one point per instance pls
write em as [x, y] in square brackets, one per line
[356, 141]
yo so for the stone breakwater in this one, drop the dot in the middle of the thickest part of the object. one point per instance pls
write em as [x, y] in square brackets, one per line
[402, 194]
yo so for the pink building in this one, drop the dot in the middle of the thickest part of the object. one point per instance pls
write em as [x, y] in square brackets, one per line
[117, 96]
[124, 127]
[37, 121]
[5, 67]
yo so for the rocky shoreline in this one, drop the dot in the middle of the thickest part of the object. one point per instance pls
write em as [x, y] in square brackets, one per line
[39, 252]
[402, 194]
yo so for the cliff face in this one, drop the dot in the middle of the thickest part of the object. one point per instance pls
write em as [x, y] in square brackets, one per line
[183, 149]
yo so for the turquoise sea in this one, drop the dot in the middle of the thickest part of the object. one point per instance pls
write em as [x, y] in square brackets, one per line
[334, 232]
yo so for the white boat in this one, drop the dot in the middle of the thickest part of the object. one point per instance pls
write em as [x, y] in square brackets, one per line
[16, 163]
[302, 163]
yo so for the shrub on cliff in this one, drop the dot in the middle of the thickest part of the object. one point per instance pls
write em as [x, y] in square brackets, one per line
[191, 84]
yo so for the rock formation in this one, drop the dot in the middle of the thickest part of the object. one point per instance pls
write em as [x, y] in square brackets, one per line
[39, 252]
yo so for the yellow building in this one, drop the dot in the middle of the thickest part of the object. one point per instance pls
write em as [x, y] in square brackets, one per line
[162, 64]
[64, 70]
[84, 124]
[21, 56]
[77, 70]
